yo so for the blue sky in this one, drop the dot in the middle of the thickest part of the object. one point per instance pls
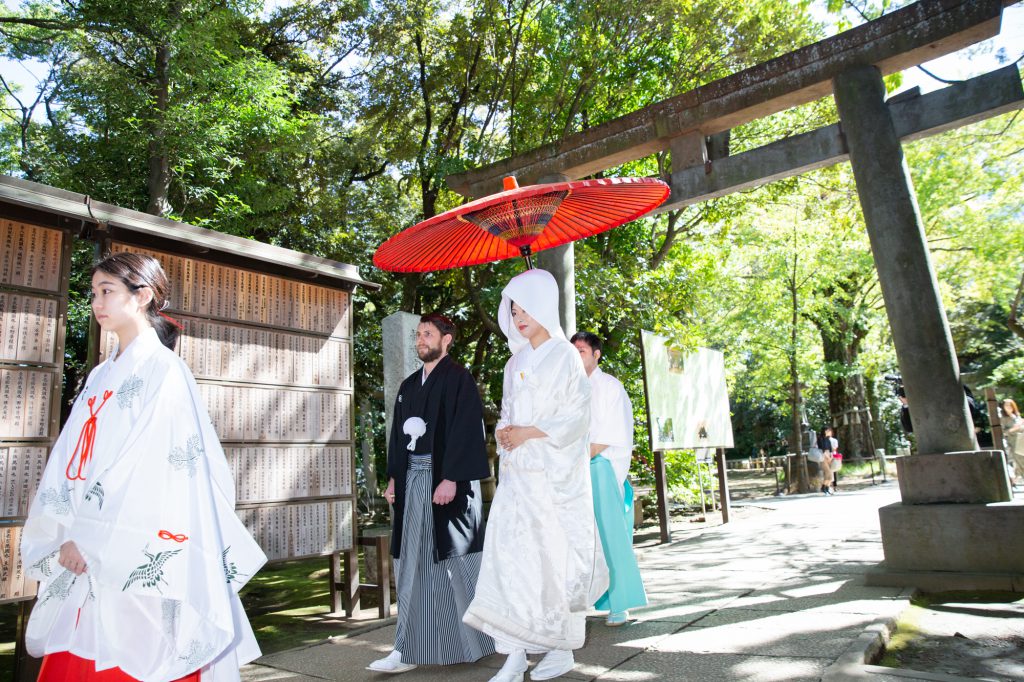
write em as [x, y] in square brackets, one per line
[986, 56]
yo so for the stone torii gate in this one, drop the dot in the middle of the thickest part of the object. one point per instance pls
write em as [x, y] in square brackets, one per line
[850, 67]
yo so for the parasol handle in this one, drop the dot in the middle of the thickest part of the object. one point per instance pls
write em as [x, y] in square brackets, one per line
[525, 252]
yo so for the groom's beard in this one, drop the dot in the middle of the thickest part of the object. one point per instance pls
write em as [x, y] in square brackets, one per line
[429, 354]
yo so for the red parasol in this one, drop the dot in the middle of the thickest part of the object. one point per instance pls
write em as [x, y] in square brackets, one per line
[519, 222]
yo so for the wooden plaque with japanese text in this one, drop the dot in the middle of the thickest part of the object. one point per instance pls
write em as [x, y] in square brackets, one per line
[34, 266]
[273, 360]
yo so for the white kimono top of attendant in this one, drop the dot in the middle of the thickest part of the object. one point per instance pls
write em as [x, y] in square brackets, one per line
[611, 421]
[542, 567]
[138, 480]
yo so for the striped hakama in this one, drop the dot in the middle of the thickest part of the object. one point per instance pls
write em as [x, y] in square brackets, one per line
[433, 596]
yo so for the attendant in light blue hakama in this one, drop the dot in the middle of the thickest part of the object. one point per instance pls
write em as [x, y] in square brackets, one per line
[611, 446]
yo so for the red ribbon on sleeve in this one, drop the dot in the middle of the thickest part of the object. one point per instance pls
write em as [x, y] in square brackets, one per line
[168, 535]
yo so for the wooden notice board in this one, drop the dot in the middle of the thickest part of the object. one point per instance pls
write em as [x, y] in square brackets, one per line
[271, 350]
[273, 359]
[34, 266]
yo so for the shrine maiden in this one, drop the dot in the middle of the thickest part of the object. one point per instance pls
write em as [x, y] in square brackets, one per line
[541, 565]
[132, 533]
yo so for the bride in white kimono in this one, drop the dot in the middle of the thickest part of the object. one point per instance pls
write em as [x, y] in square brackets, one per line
[542, 567]
[132, 533]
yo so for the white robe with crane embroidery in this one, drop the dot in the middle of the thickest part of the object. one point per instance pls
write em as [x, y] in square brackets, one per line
[139, 482]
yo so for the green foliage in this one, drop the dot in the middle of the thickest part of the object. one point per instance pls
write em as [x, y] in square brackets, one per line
[764, 428]
[970, 187]
[288, 604]
[79, 317]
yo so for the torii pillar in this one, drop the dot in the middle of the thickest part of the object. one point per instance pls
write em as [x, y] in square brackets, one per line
[953, 527]
[560, 261]
[920, 332]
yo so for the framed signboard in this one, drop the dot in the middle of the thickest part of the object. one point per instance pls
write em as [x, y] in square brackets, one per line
[687, 398]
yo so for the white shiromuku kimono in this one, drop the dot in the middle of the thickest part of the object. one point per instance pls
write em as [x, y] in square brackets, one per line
[138, 480]
[542, 567]
[611, 421]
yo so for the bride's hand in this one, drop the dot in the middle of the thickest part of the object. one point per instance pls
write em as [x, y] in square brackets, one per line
[511, 437]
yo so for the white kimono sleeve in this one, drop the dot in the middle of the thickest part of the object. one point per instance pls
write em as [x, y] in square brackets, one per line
[611, 422]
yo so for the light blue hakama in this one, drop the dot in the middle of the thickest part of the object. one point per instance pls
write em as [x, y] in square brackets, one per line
[613, 508]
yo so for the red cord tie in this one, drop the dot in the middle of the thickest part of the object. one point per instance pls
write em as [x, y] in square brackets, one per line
[168, 535]
[86, 440]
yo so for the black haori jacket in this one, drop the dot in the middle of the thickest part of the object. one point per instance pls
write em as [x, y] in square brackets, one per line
[449, 403]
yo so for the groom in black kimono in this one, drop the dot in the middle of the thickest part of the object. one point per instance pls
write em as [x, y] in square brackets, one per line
[436, 458]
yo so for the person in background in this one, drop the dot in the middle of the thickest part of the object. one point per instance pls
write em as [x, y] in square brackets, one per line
[1013, 433]
[836, 462]
[827, 445]
[611, 449]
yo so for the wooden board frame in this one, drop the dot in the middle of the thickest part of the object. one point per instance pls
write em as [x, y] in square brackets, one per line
[57, 292]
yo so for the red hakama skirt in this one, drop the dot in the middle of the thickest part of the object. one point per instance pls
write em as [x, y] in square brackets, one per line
[64, 666]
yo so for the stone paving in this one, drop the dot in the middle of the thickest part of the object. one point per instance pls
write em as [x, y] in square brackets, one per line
[775, 595]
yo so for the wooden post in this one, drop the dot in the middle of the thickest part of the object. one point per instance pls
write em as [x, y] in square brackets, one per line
[661, 487]
[333, 580]
[381, 543]
[993, 419]
[346, 586]
[345, 582]
[723, 484]
[26, 668]
[700, 486]
[351, 581]
[707, 463]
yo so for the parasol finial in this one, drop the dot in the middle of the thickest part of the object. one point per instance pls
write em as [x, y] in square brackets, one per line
[527, 253]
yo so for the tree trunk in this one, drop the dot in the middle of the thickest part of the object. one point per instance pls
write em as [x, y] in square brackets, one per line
[842, 330]
[877, 426]
[411, 282]
[410, 289]
[27, 169]
[159, 182]
[803, 482]
[847, 399]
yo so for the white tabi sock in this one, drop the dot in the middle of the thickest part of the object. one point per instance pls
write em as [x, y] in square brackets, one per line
[515, 666]
[554, 664]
